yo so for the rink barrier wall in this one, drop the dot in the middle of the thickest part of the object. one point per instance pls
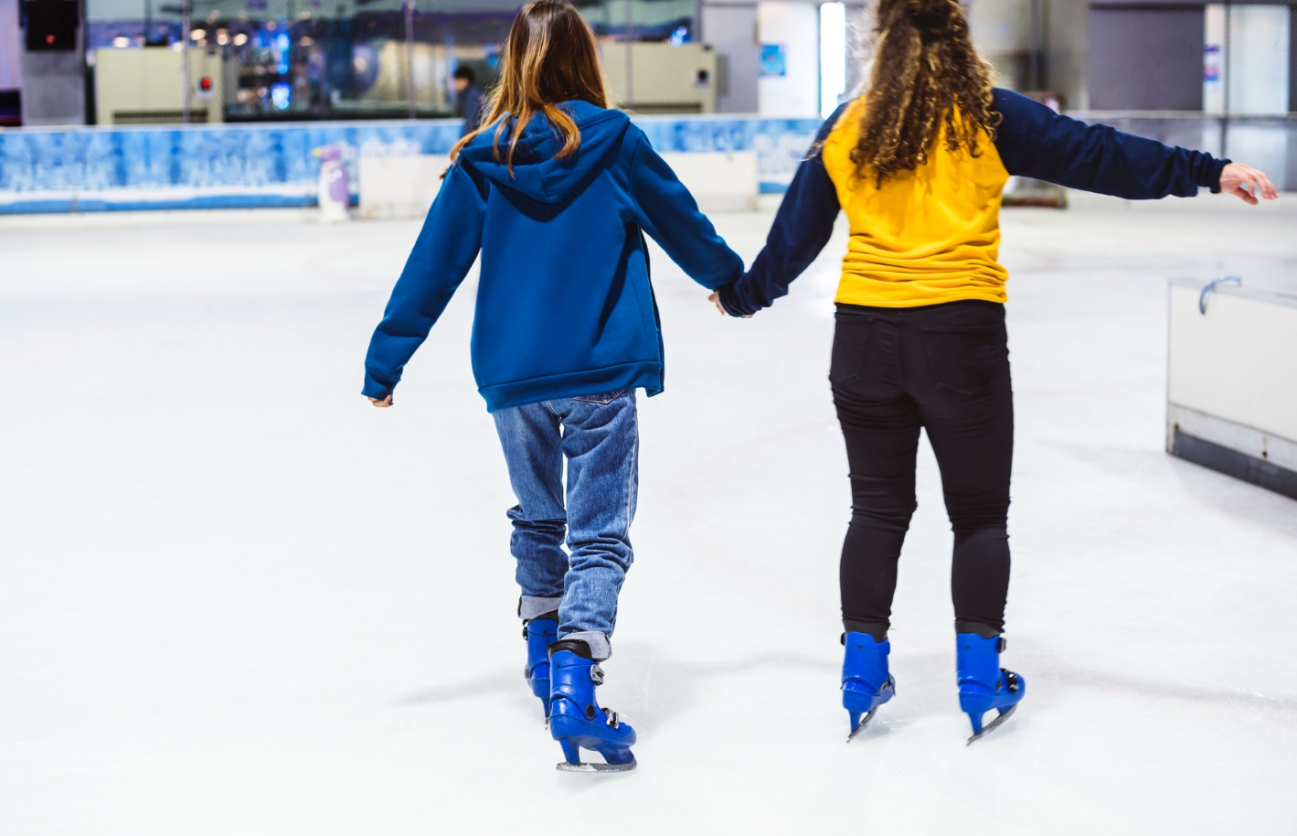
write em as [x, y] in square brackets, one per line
[404, 187]
[1231, 405]
[253, 166]
[92, 169]
[399, 187]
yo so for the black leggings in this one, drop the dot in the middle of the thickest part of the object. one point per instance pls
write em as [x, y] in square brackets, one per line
[944, 368]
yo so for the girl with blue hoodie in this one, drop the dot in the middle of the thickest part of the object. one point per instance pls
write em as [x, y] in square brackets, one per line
[556, 191]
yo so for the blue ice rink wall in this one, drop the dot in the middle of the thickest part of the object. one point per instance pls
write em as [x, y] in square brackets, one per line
[249, 166]
[259, 165]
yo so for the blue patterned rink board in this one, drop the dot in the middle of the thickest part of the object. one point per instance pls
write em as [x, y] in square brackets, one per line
[249, 166]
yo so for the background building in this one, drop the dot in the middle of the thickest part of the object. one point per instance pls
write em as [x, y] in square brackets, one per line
[347, 59]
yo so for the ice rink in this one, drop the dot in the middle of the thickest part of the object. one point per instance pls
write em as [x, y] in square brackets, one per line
[236, 599]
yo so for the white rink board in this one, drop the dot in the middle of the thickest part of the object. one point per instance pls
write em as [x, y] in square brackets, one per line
[399, 187]
[404, 187]
[719, 181]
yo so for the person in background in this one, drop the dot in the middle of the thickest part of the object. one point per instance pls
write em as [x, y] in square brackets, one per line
[556, 191]
[919, 163]
[470, 100]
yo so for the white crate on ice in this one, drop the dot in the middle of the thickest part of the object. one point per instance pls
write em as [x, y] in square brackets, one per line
[1232, 381]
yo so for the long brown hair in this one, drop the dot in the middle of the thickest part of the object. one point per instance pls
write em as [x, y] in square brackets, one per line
[550, 57]
[925, 71]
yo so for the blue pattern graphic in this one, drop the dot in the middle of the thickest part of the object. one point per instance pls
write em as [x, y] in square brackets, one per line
[104, 169]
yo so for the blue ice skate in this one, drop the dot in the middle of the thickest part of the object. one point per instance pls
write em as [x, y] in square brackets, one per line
[983, 684]
[540, 633]
[866, 684]
[577, 722]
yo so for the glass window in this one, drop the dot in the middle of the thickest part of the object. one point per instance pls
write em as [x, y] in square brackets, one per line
[265, 60]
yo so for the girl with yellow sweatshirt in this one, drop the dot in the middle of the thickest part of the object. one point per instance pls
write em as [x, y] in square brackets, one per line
[919, 163]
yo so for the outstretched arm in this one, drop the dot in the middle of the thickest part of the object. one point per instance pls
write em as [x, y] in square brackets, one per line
[442, 255]
[802, 227]
[1034, 141]
[672, 218]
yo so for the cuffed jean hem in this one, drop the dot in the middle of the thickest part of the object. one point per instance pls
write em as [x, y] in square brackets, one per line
[529, 606]
[600, 647]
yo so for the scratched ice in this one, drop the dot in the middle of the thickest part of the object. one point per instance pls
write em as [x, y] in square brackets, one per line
[236, 599]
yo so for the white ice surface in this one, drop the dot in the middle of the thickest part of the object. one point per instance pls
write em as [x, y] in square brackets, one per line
[235, 599]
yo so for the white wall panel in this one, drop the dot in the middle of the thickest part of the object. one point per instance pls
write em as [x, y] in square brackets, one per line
[795, 27]
[10, 46]
[1251, 50]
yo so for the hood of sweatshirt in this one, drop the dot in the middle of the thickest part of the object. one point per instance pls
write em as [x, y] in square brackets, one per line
[537, 172]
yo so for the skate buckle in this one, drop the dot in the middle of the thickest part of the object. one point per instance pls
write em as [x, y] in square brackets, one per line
[612, 719]
[596, 674]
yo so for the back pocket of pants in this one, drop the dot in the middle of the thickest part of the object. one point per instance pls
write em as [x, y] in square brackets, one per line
[852, 358]
[602, 399]
[964, 358]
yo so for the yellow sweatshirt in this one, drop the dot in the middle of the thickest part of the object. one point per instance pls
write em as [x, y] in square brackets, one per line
[932, 235]
[926, 236]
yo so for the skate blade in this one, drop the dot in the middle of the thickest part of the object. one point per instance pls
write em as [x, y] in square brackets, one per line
[991, 726]
[864, 722]
[564, 766]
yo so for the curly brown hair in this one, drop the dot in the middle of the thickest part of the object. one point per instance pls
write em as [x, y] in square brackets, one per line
[925, 71]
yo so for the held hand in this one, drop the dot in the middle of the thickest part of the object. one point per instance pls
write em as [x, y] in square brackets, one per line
[383, 404]
[1245, 182]
[715, 299]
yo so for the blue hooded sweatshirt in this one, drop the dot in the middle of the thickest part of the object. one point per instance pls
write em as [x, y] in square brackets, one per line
[564, 304]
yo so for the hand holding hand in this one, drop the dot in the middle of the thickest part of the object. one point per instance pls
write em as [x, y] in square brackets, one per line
[715, 299]
[1245, 182]
[383, 404]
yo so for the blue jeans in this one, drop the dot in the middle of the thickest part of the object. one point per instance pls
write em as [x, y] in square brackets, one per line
[599, 437]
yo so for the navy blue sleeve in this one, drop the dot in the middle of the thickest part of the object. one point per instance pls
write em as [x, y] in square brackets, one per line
[444, 252]
[1034, 141]
[802, 227]
[670, 215]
